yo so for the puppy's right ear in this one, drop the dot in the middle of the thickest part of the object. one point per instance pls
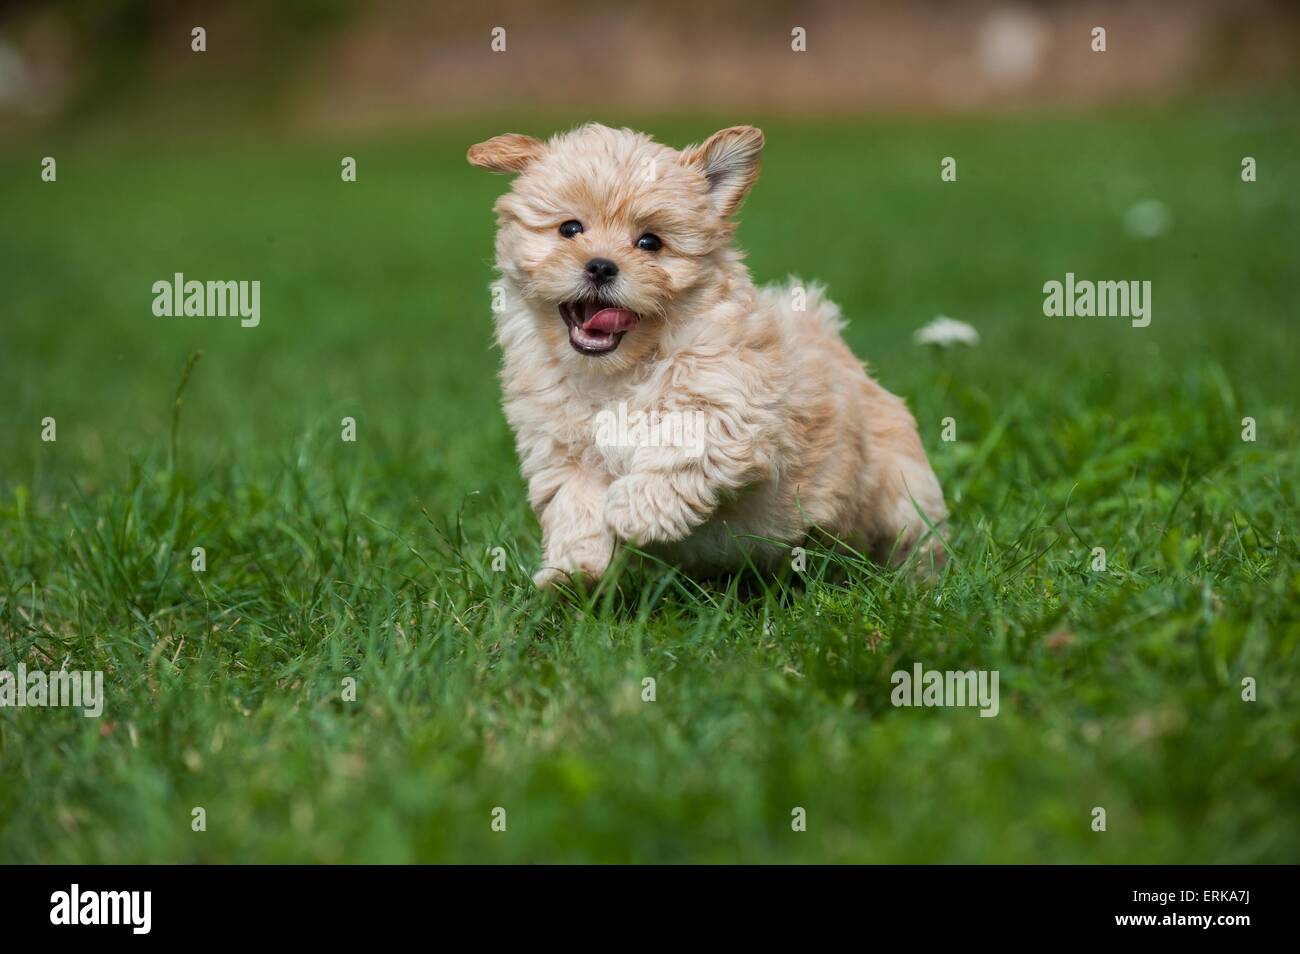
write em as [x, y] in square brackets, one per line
[509, 153]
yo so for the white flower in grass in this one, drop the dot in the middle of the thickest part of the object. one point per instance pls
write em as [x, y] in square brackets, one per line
[946, 332]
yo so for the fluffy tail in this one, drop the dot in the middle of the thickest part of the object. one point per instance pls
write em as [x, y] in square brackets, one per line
[803, 303]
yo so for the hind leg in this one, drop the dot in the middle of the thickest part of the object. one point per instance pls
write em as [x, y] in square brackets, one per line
[907, 511]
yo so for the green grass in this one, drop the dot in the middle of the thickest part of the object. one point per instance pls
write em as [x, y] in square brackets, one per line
[327, 560]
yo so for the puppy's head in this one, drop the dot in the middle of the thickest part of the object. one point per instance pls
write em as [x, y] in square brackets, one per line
[605, 230]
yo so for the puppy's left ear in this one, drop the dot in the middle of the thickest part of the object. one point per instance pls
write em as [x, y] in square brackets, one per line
[729, 160]
[509, 153]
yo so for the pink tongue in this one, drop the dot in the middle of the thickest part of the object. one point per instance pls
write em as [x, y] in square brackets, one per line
[610, 320]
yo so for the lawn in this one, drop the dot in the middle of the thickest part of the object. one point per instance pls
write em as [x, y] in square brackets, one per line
[372, 560]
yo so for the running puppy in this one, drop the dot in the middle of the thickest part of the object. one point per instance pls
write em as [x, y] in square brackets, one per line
[657, 396]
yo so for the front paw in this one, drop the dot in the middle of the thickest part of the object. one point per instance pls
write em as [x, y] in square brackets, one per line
[548, 576]
[645, 509]
[580, 568]
[551, 577]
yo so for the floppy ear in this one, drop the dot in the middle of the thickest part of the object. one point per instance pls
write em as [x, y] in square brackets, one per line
[509, 153]
[729, 160]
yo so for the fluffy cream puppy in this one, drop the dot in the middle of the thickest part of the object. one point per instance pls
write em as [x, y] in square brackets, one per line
[657, 396]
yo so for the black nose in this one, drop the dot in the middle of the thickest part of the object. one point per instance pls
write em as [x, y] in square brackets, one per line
[601, 270]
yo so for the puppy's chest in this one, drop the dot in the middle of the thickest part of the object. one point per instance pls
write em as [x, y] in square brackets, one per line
[610, 436]
[607, 436]
[606, 433]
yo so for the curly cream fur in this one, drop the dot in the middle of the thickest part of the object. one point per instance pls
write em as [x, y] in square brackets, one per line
[796, 435]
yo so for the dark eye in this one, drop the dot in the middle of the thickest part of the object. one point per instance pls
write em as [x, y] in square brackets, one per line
[571, 228]
[649, 243]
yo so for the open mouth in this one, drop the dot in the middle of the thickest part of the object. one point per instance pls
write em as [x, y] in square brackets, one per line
[595, 328]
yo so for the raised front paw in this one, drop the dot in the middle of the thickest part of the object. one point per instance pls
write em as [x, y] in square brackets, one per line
[641, 508]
